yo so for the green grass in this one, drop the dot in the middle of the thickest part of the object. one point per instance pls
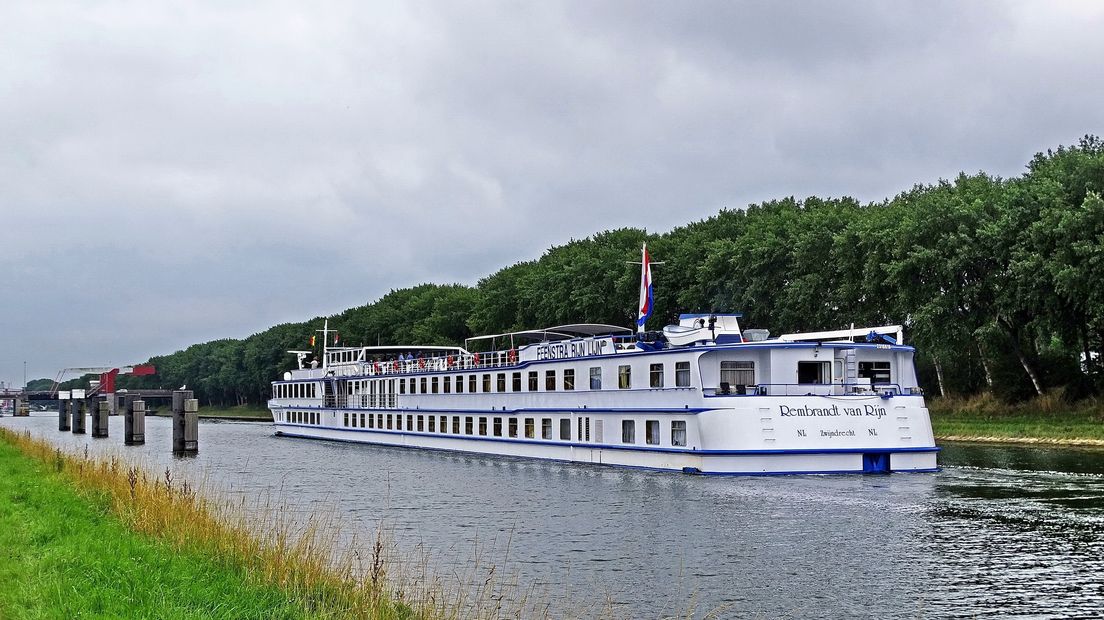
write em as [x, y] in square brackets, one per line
[101, 537]
[244, 412]
[64, 555]
[1047, 418]
[241, 412]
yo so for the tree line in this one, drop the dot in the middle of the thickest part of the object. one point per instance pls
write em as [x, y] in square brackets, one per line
[999, 283]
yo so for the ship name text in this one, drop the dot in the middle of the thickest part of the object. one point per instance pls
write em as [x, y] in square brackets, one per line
[832, 411]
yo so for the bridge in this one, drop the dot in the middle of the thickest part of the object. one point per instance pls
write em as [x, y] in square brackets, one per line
[104, 388]
[20, 398]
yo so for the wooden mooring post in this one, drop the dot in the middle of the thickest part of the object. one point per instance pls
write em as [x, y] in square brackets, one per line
[185, 413]
[63, 410]
[134, 421]
[101, 409]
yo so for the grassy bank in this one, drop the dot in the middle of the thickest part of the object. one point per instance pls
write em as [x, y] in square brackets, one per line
[1047, 419]
[64, 555]
[243, 412]
[87, 538]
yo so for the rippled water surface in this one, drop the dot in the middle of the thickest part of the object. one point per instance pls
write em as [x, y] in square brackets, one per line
[1008, 531]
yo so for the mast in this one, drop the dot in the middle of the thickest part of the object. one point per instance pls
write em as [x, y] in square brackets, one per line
[325, 341]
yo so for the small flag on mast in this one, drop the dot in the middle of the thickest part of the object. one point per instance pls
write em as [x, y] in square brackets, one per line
[646, 298]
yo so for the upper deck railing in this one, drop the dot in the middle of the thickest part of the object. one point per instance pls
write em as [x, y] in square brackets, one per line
[815, 389]
[483, 360]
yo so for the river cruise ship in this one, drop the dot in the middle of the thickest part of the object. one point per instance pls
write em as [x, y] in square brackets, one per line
[702, 396]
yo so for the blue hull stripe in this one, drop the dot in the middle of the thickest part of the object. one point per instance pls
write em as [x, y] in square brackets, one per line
[657, 469]
[602, 446]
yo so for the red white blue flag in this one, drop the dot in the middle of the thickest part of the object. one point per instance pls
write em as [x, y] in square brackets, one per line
[647, 300]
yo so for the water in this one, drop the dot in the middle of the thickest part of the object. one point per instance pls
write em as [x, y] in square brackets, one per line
[1002, 530]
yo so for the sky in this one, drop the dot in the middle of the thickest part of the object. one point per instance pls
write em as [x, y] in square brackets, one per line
[177, 172]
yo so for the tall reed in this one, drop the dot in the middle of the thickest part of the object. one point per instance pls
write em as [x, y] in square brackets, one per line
[328, 576]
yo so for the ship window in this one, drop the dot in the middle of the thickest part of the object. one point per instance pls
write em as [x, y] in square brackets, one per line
[743, 373]
[402, 386]
[486, 384]
[433, 385]
[346, 422]
[444, 424]
[515, 379]
[624, 377]
[682, 374]
[410, 422]
[628, 431]
[596, 378]
[447, 385]
[432, 424]
[598, 430]
[655, 375]
[877, 372]
[421, 423]
[498, 427]
[549, 380]
[529, 431]
[678, 432]
[532, 381]
[546, 428]
[813, 372]
[423, 389]
[501, 382]
[565, 429]
[371, 421]
[473, 384]
[456, 424]
[584, 429]
[469, 425]
[651, 431]
[511, 427]
[459, 384]
[363, 420]
[379, 420]
[482, 425]
[569, 378]
[390, 422]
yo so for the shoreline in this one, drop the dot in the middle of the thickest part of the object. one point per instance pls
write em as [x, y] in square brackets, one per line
[1036, 441]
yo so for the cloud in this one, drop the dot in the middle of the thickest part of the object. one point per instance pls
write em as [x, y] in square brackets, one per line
[178, 172]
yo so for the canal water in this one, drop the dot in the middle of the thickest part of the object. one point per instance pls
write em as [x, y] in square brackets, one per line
[1001, 530]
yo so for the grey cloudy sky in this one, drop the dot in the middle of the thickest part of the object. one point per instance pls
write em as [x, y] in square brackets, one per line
[175, 172]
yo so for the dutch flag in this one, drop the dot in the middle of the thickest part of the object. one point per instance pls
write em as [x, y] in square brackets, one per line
[646, 298]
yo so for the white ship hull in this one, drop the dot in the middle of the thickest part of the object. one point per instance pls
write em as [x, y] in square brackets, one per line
[751, 438]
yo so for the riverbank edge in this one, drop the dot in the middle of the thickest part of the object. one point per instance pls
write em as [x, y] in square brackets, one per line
[1042, 441]
[160, 513]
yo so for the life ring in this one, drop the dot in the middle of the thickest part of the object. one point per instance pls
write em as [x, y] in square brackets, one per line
[512, 356]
